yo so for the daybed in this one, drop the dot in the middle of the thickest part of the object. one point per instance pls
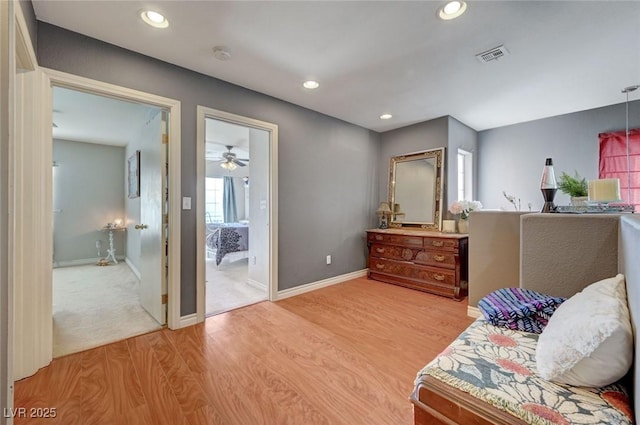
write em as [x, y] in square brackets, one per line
[488, 375]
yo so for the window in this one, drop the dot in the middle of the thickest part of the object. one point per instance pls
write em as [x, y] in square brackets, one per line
[465, 175]
[613, 163]
[213, 200]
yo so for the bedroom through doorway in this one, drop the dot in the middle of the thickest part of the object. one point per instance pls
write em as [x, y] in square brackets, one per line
[236, 215]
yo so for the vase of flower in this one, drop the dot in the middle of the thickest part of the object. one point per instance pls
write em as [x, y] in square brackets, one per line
[464, 208]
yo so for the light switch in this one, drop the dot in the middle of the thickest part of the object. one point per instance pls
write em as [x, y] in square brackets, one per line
[186, 202]
[263, 204]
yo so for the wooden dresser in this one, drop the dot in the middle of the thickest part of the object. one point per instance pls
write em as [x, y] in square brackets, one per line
[428, 261]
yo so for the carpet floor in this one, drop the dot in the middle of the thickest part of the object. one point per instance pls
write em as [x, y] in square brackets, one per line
[227, 287]
[93, 306]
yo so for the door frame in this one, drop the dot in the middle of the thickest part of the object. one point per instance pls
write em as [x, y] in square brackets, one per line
[202, 114]
[51, 78]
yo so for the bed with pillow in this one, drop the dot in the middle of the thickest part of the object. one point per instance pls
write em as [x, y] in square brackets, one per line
[574, 372]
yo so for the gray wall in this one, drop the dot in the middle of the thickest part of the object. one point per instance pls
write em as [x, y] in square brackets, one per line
[327, 168]
[511, 158]
[30, 19]
[445, 132]
[88, 192]
[414, 138]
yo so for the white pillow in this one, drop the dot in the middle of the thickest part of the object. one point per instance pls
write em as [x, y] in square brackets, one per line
[588, 340]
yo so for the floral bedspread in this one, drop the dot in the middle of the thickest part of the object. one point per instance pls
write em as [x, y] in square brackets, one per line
[497, 365]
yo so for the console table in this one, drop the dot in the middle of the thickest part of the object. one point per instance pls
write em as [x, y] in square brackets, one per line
[111, 252]
[427, 261]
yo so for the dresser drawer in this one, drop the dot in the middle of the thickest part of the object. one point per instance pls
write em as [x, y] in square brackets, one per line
[436, 258]
[445, 244]
[394, 252]
[413, 271]
[396, 239]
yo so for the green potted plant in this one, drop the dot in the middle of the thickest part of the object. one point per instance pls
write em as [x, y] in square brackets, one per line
[574, 186]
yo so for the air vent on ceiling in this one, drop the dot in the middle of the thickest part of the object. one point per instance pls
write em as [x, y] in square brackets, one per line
[492, 54]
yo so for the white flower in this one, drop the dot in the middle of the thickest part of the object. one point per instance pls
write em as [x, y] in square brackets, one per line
[464, 208]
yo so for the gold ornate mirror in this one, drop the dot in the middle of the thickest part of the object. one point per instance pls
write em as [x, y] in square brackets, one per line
[415, 189]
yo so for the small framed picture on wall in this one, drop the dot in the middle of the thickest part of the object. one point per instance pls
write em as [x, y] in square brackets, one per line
[133, 173]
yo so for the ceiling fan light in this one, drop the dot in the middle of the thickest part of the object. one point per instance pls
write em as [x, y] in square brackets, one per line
[228, 165]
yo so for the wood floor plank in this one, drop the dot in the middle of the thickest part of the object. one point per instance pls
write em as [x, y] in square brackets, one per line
[98, 406]
[123, 380]
[342, 355]
[186, 388]
[161, 400]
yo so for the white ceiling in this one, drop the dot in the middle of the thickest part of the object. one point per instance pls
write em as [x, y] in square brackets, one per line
[85, 117]
[372, 57]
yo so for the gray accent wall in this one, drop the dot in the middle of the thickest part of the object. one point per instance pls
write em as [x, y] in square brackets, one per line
[414, 138]
[328, 187]
[511, 158]
[30, 18]
[445, 132]
[88, 193]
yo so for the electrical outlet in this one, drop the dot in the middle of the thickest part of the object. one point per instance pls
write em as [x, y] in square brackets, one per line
[328, 259]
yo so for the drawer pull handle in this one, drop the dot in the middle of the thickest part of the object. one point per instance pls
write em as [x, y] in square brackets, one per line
[380, 250]
[380, 266]
[437, 243]
[439, 277]
[379, 237]
[438, 257]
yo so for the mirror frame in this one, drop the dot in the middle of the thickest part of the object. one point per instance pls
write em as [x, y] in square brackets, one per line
[438, 187]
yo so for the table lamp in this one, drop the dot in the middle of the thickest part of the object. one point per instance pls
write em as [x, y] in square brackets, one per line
[384, 211]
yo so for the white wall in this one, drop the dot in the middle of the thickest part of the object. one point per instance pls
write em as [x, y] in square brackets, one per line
[460, 137]
[511, 158]
[259, 207]
[88, 193]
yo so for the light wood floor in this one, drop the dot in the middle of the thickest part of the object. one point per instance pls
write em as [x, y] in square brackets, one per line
[346, 354]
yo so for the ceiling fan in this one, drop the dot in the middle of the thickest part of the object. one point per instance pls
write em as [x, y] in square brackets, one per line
[231, 161]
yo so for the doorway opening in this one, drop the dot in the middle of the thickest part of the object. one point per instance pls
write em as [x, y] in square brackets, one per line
[237, 235]
[109, 200]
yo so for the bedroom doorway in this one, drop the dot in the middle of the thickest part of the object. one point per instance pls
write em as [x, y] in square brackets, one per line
[104, 267]
[235, 232]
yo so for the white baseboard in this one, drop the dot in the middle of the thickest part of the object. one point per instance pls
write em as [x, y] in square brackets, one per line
[81, 262]
[133, 268]
[258, 285]
[188, 320]
[473, 312]
[298, 290]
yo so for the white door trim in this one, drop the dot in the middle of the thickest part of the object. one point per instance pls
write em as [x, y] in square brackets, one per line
[7, 125]
[62, 79]
[203, 113]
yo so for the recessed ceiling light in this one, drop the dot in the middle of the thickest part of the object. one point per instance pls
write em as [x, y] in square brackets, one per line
[311, 84]
[385, 116]
[452, 10]
[155, 19]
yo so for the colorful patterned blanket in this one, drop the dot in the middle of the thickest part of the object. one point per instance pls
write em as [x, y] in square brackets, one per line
[498, 366]
[519, 309]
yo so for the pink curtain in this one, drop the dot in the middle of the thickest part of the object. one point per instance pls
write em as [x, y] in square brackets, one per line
[613, 162]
